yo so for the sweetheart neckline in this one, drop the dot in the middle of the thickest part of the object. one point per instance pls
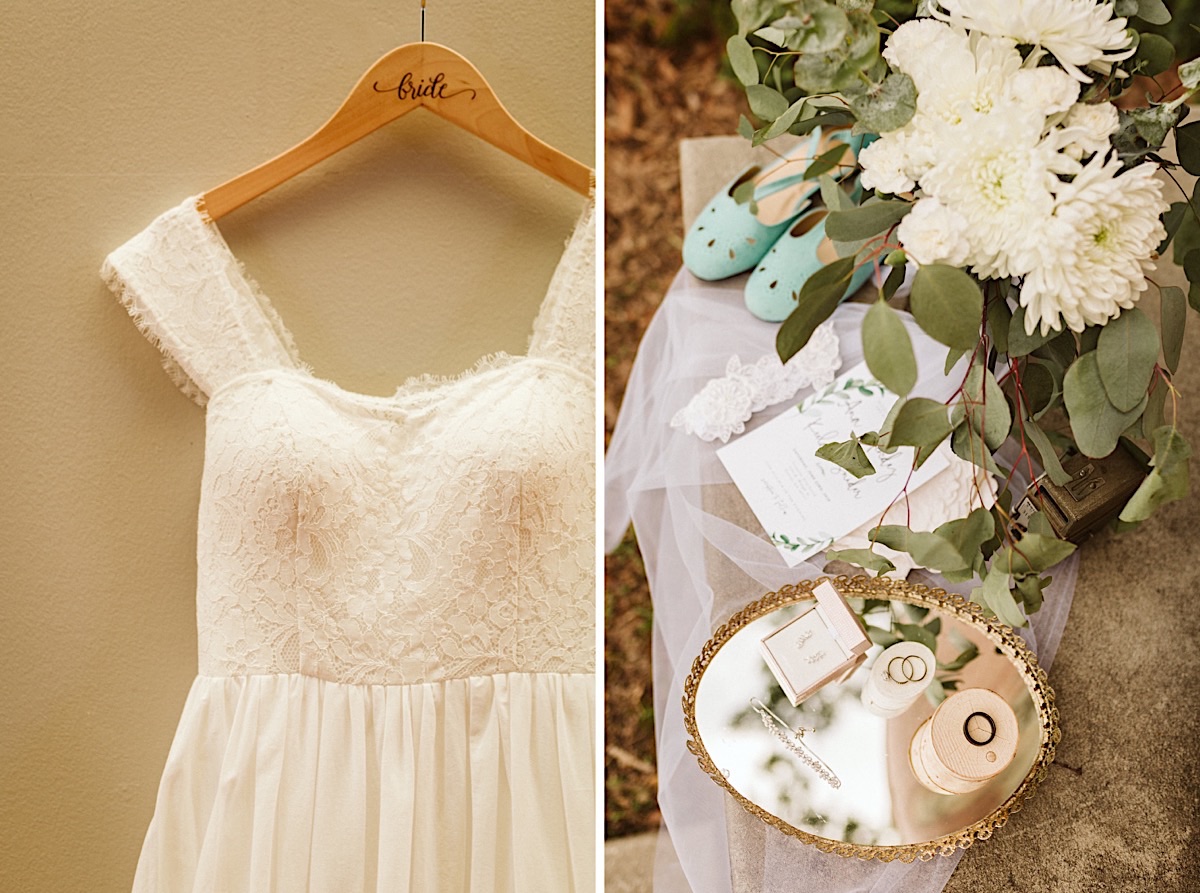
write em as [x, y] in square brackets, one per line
[420, 383]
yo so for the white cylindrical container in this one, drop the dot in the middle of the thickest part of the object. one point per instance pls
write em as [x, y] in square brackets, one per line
[968, 740]
[898, 677]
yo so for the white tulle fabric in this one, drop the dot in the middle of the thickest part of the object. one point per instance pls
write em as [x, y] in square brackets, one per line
[707, 557]
[394, 601]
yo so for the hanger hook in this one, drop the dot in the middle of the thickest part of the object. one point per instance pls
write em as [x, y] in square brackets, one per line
[422, 21]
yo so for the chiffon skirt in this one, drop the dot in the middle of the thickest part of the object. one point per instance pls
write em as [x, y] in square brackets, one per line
[291, 783]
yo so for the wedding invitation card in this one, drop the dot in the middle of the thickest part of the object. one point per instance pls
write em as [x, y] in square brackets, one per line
[805, 503]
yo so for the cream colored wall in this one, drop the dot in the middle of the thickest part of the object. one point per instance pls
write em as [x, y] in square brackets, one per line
[417, 250]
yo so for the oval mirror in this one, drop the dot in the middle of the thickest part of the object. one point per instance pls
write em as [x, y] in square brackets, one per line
[878, 808]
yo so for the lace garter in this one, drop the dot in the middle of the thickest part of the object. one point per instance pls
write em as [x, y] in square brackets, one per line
[724, 405]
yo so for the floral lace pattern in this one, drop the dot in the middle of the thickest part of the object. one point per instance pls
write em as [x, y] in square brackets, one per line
[724, 405]
[440, 533]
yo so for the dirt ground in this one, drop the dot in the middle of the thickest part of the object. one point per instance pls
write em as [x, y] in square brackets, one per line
[663, 81]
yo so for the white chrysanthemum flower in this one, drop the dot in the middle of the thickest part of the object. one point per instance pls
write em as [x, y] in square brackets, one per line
[932, 53]
[997, 64]
[1079, 33]
[1087, 128]
[1001, 177]
[1105, 229]
[885, 162]
[1048, 88]
[931, 233]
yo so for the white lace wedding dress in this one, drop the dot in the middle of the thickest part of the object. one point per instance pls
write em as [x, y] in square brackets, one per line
[395, 601]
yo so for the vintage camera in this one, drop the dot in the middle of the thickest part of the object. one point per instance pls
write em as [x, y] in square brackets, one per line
[1095, 494]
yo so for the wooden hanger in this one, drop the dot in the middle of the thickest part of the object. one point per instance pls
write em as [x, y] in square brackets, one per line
[415, 75]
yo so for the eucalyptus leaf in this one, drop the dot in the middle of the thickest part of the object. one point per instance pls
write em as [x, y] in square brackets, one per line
[1167, 481]
[772, 34]
[1154, 55]
[935, 692]
[891, 285]
[1153, 11]
[984, 406]
[1153, 417]
[1171, 222]
[888, 351]
[818, 297]
[865, 221]
[995, 593]
[914, 633]
[1191, 269]
[1049, 458]
[1032, 554]
[964, 657]
[887, 106]
[1039, 523]
[752, 14]
[863, 558]
[826, 162]
[1039, 388]
[1187, 145]
[967, 535]
[968, 445]
[995, 414]
[1021, 344]
[822, 72]
[1095, 422]
[1174, 319]
[848, 455]
[745, 129]
[999, 321]
[927, 549]
[921, 422]
[1058, 351]
[1125, 8]
[744, 192]
[1030, 587]
[889, 422]
[814, 27]
[953, 355]
[948, 305]
[884, 637]
[781, 124]
[834, 197]
[766, 102]
[824, 118]
[1089, 338]
[741, 59]
[1126, 355]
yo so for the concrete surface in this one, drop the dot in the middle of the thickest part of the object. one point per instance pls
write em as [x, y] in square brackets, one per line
[629, 863]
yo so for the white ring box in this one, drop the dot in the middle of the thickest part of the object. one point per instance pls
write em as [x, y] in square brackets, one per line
[824, 644]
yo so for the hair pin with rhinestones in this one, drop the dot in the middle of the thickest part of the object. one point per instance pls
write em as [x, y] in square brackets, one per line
[793, 740]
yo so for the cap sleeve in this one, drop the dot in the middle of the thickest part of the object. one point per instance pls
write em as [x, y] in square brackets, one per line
[189, 296]
[565, 329]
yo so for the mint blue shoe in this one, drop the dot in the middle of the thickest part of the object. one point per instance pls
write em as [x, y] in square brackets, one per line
[774, 287]
[727, 239]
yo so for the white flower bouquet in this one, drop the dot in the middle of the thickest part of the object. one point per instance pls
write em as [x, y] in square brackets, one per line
[1033, 212]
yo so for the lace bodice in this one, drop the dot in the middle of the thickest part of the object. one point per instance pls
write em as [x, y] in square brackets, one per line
[443, 532]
